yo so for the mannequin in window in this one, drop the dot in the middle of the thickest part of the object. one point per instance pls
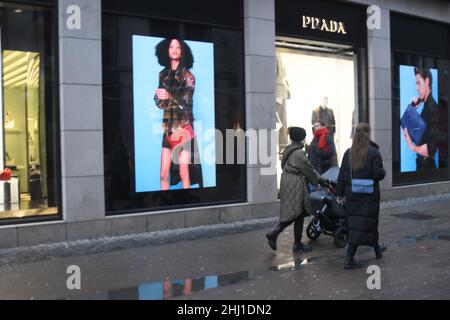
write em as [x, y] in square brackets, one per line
[282, 94]
[325, 114]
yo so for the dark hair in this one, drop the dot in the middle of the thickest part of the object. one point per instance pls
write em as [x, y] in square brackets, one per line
[162, 53]
[360, 146]
[297, 134]
[424, 73]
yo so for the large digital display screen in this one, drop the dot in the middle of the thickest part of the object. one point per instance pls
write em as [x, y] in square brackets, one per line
[419, 118]
[174, 109]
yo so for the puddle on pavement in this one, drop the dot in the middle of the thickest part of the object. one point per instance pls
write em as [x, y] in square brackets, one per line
[177, 288]
[434, 236]
[445, 237]
[414, 215]
[167, 289]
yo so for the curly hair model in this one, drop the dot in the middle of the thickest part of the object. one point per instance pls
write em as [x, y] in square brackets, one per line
[175, 96]
[186, 59]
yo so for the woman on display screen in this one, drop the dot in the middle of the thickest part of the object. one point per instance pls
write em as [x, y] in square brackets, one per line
[427, 147]
[175, 96]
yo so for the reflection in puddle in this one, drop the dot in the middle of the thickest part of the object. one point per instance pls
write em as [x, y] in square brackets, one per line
[433, 236]
[176, 288]
[445, 237]
[414, 215]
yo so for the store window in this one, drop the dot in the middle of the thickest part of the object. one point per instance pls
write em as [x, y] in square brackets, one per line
[166, 79]
[317, 84]
[421, 87]
[28, 148]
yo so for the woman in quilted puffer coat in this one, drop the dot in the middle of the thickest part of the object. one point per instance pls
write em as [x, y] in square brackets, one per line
[295, 205]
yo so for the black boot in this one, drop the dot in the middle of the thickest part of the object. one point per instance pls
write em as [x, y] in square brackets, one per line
[273, 235]
[298, 233]
[379, 251]
[350, 262]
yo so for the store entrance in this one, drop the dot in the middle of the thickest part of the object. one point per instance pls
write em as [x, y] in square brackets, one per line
[316, 79]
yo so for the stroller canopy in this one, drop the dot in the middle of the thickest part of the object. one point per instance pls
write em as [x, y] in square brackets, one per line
[332, 174]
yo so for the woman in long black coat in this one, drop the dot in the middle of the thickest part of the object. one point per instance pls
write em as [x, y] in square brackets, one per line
[363, 210]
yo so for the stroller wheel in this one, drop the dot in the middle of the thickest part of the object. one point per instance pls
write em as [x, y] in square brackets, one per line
[341, 237]
[311, 231]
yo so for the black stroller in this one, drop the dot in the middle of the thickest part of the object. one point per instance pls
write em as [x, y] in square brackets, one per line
[328, 216]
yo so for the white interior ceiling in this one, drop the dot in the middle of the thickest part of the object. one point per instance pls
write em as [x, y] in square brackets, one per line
[20, 69]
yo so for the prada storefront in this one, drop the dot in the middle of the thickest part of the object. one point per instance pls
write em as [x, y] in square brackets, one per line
[28, 101]
[321, 69]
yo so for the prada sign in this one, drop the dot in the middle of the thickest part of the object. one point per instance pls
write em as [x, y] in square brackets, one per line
[322, 20]
[325, 25]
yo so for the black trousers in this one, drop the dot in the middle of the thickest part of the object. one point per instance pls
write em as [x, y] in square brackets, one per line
[298, 227]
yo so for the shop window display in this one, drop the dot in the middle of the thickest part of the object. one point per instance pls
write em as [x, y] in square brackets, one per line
[420, 119]
[28, 184]
[154, 99]
[420, 92]
[316, 86]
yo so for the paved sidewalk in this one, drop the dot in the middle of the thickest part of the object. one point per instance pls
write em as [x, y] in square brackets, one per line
[234, 262]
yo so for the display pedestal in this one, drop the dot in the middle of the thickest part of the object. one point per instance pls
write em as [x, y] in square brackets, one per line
[9, 191]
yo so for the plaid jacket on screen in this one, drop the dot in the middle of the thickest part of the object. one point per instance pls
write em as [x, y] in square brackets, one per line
[178, 108]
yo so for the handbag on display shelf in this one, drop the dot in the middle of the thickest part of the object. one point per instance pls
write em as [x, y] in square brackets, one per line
[5, 175]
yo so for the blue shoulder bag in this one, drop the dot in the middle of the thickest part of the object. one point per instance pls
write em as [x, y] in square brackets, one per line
[361, 186]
